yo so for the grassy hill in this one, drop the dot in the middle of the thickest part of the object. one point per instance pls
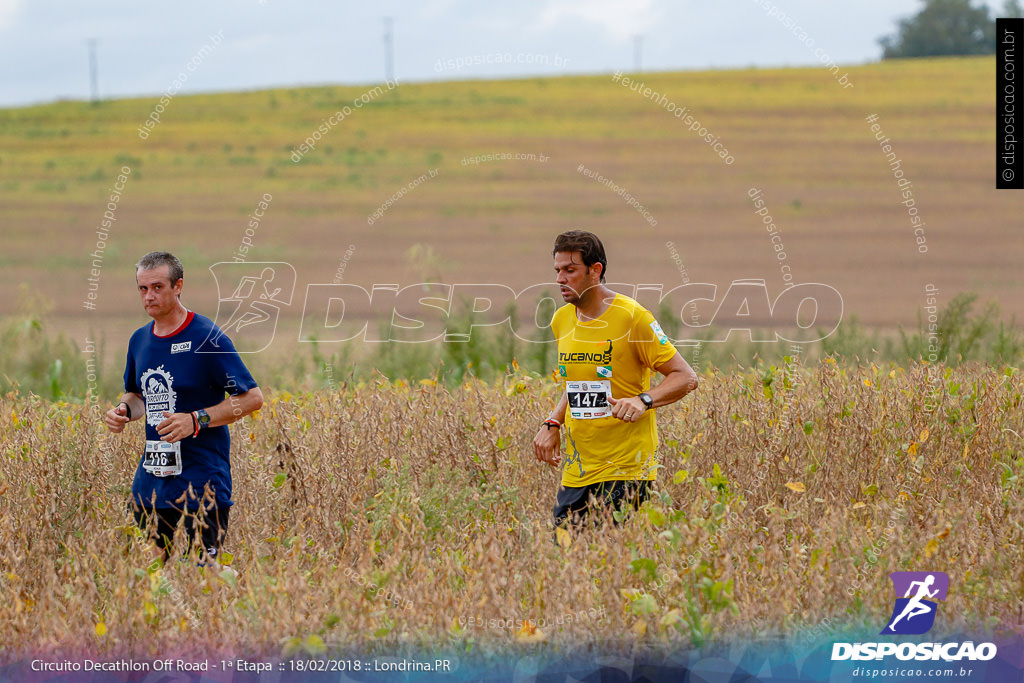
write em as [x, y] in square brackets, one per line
[795, 134]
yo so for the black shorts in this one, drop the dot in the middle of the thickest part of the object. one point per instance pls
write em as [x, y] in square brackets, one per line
[573, 503]
[213, 526]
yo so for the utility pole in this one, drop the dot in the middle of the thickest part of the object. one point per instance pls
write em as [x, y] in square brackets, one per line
[94, 79]
[389, 48]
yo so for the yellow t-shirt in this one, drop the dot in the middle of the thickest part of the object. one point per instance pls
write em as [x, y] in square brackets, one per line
[615, 352]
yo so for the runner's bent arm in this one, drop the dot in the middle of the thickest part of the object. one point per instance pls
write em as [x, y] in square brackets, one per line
[177, 426]
[680, 379]
[547, 445]
[117, 417]
[227, 411]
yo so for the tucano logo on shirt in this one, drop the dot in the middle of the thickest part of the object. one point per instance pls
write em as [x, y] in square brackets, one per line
[603, 358]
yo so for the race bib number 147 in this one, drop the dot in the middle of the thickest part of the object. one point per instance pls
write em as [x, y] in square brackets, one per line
[589, 400]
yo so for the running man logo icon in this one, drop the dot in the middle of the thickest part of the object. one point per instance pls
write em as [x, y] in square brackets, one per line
[249, 312]
[914, 612]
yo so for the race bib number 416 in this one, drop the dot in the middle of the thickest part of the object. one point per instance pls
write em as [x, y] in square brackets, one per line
[589, 400]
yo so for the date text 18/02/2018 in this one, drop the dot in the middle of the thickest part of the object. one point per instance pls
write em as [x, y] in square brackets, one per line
[367, 665]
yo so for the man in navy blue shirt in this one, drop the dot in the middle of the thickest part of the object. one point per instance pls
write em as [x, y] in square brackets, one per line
[176, 380]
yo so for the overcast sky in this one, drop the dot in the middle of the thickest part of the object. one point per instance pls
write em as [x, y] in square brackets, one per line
[142, 46]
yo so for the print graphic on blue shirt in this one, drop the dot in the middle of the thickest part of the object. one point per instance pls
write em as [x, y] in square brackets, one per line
[170, 376]
[156, 390]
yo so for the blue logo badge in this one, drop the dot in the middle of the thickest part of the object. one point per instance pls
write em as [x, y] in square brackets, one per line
[914, 612]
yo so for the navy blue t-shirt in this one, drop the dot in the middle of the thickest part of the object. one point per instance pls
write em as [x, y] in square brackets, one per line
[172, 373]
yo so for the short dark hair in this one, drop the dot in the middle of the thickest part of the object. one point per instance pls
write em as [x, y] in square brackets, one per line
[155, 259]
[587, 243]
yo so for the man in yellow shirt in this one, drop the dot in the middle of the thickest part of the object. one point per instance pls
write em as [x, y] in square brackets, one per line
[607, 346]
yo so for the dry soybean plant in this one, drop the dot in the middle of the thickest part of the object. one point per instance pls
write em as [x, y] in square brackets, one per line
[389, 516]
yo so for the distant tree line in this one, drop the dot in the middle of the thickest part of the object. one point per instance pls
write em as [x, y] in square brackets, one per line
[946, 27]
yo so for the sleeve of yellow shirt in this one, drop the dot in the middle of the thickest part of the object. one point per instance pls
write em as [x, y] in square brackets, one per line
[652, 344]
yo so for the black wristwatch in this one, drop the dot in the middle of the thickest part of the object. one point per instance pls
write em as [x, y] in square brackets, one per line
[646, 398]
[204, 418]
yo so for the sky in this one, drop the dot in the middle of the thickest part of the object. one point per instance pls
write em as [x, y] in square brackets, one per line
[141, 47]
